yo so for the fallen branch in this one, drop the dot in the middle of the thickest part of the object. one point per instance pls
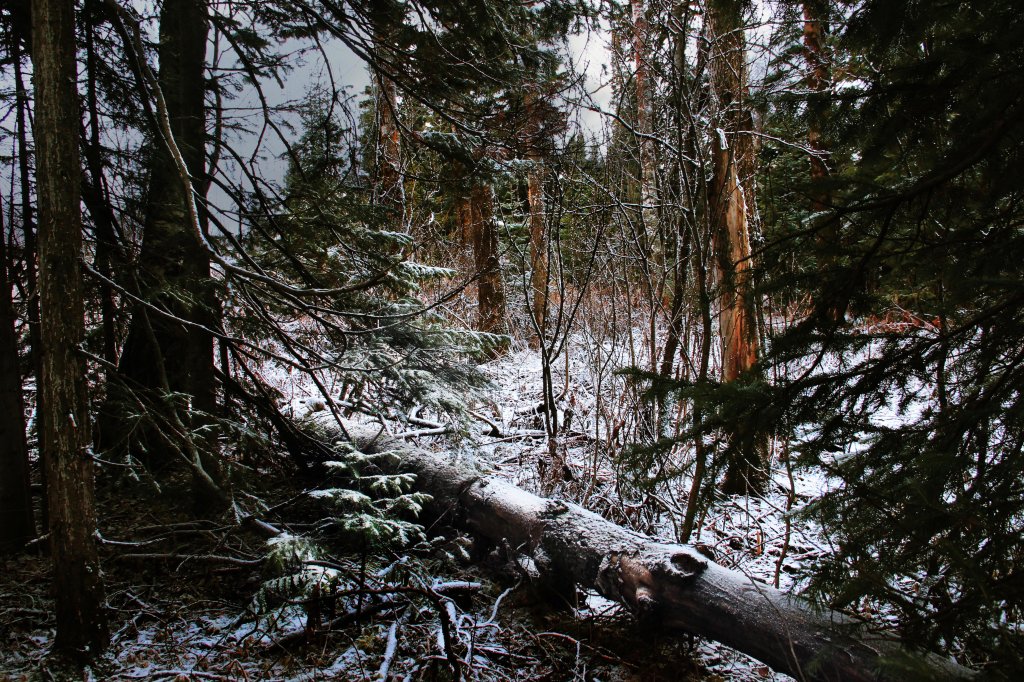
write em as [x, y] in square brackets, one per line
[664, 585]
[185, 558]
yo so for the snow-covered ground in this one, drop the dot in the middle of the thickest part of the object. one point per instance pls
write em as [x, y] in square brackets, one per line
[596, 410]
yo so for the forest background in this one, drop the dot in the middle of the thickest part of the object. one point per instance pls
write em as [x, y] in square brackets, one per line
[784, 241]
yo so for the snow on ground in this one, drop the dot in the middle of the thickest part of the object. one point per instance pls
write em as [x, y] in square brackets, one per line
[746, 534]
[594, 404]
[596, 407]
[596, 410]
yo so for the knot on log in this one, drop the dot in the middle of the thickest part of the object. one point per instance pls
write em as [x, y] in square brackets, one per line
[641, 579]
[554, 509]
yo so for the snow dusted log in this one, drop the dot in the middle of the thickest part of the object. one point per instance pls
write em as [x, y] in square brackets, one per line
[663, 585]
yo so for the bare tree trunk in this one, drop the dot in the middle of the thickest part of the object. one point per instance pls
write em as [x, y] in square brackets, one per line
[161, 354]
[730, 205]
[474, 215]
[538, 252]
[389, 186]
[490, 286]
[538, 229]
[35, 338]
[684, 192]
[663, 585]
[99, 204]
[642, 81]
[172, 255]
[818, 76]
[81, 622]
[17, 525]
[818, 83]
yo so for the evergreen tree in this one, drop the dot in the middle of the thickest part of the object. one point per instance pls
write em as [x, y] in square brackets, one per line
[361, 324]
[915, 408]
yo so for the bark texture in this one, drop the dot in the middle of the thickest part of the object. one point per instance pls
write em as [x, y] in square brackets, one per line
[642, 89]
[475, 214]
[818, 76]
[664, 585]
[81, 623]
[29, 257]
[174, 264]
[538, 230]
[170, 355]
[730, 205]
[818, 80]
[390, 188]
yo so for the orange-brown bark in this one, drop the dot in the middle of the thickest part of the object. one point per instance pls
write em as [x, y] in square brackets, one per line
[390, 188]
[538, 231]
[731, 205]
[474, 213]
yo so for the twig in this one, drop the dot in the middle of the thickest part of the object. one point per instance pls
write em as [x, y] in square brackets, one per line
[202, 558]
[389, 651]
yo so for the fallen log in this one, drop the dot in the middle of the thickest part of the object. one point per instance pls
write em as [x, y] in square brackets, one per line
[663, 585]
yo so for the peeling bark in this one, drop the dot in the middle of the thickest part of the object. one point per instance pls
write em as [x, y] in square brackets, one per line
[664, 585]
[730, 205]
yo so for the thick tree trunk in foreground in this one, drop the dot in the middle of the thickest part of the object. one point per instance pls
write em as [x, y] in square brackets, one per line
[81, 624]
[666, 585]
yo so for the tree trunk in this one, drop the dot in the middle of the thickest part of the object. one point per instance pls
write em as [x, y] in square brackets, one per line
[161, 354]
[389, 182]
[815, 30]
[172, 259]
[730, 205]
[35, 338]
[538, 300]
[538, 253]
[490, 287]
[389, 185]
[17, 525]
[642, 81]
[663, 585]
[832, 307]
[81, 623]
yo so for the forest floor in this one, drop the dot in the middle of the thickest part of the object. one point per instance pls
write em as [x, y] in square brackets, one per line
[182, 595]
